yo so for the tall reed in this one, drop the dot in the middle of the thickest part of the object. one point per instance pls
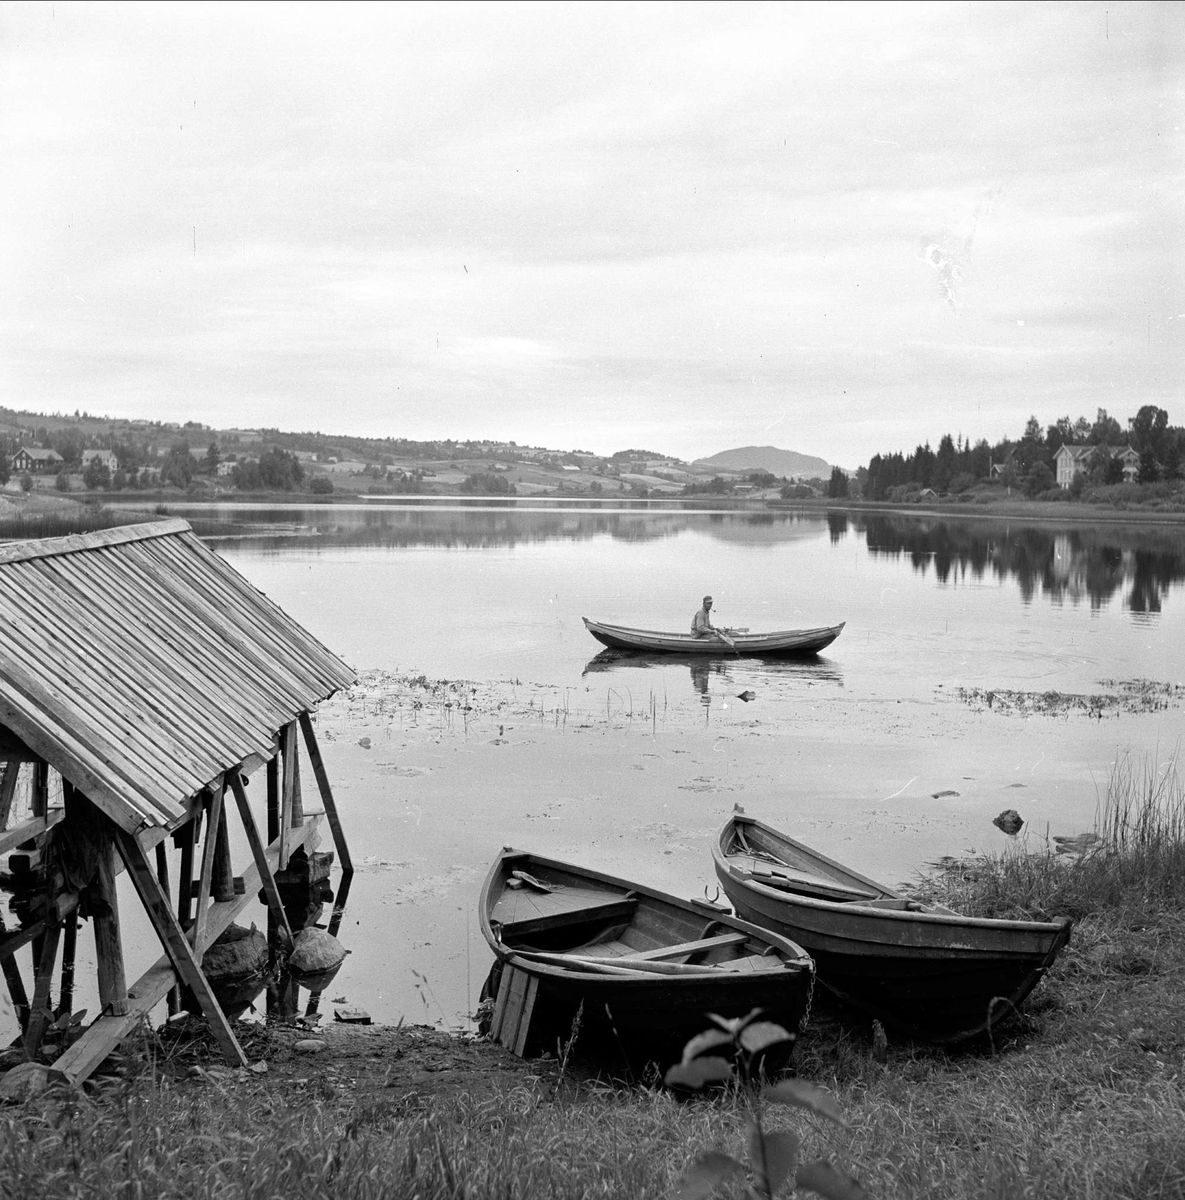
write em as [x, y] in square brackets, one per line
[1133, 861]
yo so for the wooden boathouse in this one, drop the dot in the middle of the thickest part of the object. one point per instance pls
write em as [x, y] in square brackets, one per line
[143, 683]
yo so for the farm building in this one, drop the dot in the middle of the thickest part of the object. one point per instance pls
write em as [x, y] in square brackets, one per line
[36, 459]
[143, 683]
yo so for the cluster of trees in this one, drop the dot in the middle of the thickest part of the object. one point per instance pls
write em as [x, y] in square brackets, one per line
[719, 486]
[1029, 462]
[488, 483]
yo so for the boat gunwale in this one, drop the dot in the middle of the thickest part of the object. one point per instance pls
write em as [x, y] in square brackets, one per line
[793, 956]
[863, 910]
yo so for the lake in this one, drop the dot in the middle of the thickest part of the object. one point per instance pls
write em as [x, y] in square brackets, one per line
[928, 716]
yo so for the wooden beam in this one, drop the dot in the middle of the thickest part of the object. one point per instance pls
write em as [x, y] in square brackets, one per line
[331, 814]
[12, 977]
[40, 1015]
[113, 983]
[209, 849]
[222, 882]
[297, 805]
[104, 1034]
[69, 946]
[28, 830]
[287, 778]
[176, 945]
[274, 904]
[39, 796]
[8, 790]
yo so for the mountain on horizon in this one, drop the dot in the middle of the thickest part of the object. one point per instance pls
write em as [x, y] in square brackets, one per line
[768, 458]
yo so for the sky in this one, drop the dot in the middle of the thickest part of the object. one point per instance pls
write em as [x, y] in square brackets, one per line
[840, 228]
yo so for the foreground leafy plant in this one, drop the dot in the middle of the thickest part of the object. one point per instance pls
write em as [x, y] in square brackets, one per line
[773, 1155]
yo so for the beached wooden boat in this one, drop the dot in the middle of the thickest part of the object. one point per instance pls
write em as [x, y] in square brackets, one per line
[787, 641]
[923, 970]
[642, 968]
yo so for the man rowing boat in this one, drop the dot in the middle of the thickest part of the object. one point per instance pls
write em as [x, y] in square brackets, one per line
[702, 627]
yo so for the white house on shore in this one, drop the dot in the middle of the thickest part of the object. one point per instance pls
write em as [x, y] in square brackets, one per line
[105, 458]
[1072, 461]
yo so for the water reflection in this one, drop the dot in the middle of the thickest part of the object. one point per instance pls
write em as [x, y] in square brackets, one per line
[482, 524]
[1139, 565]
[725, 673]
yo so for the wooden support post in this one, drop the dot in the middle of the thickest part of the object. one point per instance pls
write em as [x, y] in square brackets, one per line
[8, 791]
[16, 985]
[113, 984]
[335, 921]
[182, 999]
[176, 945]
[331, 815]
[40, 1015]
[273, 796]
[69, 946]
[259, 853]
[222, 883]
[287, 757]
[39, 801]
[273, 833]
[209, 849]
[296, 806]
[162, 877]
[104, 1034]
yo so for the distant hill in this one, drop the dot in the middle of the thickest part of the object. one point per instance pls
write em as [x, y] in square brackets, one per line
[767, 458]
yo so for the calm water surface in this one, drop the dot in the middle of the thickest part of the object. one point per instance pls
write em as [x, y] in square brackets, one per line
[495, 592]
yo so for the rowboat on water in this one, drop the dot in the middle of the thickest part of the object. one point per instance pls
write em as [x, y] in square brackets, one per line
[642, 968]
[924, 970]
[787, 641]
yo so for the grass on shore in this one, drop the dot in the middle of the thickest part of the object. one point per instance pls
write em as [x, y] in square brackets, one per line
[1079, 1097]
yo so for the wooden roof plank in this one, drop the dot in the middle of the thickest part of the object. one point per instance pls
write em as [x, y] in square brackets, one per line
[316, 657]
[159, 654]
[140, 664]
[62, 636]
[101, 722]
[268, 656]
[75, 760]
[72, 543]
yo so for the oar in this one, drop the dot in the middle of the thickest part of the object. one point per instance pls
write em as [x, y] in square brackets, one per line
[654, 966]
[563, 960]
[612, 966]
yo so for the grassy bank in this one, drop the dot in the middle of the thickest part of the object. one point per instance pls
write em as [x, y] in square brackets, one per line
[1080, 1097]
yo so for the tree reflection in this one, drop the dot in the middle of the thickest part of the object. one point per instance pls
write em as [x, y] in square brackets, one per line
[1062, 563]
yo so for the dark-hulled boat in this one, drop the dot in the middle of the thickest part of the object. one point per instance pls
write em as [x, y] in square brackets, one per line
[787, 641]
[922, 969]
[644, 968]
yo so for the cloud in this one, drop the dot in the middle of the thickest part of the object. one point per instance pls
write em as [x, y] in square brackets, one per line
[610, 222]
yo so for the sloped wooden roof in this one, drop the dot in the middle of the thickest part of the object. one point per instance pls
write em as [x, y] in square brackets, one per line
[141, 665]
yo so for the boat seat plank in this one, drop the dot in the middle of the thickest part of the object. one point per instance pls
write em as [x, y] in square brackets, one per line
[794, 880]
[708, 943]
[610, 909]
[752, 964]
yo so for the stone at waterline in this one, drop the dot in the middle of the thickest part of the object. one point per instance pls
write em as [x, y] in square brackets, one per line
[1009, 821]
[316, 958]
[352, 1016]
[236, 966]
